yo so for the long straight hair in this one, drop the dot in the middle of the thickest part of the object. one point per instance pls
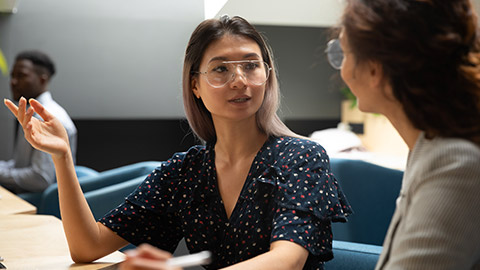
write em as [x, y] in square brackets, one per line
[199, 118]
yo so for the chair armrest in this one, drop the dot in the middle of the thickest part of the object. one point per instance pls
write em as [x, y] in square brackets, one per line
[49, 203]
[105, 199]
[36, 198]
[118, 175]
[349, 255]
[83, 171]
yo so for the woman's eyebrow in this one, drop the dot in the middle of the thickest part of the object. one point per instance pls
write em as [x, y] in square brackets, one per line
[223, 58]
[249, 55]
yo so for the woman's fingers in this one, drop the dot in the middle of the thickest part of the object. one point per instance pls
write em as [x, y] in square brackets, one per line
[22, 115]
[22, 104]
[49, 135]
[28, 115]
[143, 264]
[46, 116]
[147, 257]
[151, 252]
[11, 106]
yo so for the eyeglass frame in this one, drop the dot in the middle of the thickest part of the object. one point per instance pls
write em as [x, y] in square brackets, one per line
[268, 70]
[335, 53]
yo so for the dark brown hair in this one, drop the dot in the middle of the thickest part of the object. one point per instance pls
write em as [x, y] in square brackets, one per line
[429, 50]
[198, 116]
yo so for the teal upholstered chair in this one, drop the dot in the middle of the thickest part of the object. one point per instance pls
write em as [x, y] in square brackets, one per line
[49, 204]
[83, 171]
[372, 191]
[348, 255]
[35, 198]
[105, 199]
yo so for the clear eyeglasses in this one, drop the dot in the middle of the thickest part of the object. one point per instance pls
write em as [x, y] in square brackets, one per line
[334, 53]
[219, 72]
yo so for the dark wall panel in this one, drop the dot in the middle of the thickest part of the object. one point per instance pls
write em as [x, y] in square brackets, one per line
[107, 144]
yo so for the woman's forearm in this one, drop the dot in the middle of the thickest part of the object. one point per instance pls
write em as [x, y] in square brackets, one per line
[87, 240]
[282, 255]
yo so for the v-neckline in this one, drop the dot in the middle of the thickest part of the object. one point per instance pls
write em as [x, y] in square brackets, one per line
[223, 210]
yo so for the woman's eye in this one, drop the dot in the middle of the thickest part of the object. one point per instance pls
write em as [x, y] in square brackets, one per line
[251, 66]
[220, 69]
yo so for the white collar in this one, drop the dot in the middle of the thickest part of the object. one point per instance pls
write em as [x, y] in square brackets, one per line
[44, 97]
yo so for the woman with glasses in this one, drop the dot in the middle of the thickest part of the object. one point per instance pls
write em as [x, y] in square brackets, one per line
[418, 63]
[256, 195]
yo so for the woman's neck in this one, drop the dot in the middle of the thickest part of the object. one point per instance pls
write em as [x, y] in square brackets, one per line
[238, 140]
[403, 125]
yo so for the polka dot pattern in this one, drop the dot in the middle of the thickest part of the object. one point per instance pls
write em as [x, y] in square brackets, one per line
[289, 194]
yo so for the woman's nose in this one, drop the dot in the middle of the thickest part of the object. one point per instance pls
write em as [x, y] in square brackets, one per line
[239, 80]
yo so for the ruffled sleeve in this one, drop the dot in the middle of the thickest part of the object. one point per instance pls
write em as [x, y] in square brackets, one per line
[148, 213]
[308, 198]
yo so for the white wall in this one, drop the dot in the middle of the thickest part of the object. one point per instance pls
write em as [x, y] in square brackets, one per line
[115, 58]
[118, 58]
[310, 13]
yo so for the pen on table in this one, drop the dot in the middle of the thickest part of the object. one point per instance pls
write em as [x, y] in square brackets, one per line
[1, 265]
[201, 258]
[196, 259]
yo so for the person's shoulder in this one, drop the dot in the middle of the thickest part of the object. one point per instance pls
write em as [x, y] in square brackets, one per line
[306, 181]
[298, 145]
[292, 155]
[448, 156]
[440, 148]
[181, 163]
[196, 152]
[461, 152]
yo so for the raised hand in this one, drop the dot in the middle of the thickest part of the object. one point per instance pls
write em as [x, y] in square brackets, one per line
[48, 135]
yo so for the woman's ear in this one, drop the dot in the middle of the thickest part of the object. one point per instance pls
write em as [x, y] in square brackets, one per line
[195, 91]
[378, 79]
[375, 73]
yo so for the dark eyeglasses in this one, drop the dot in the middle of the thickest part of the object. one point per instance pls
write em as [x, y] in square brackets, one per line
[334, 53]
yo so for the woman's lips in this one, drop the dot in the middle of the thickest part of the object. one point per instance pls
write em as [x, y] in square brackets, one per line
[240, 100]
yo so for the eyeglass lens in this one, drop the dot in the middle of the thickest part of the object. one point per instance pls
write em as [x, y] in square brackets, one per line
[220, 73]
[334, 53]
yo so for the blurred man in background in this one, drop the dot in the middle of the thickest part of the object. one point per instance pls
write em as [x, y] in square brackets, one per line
[31, 170]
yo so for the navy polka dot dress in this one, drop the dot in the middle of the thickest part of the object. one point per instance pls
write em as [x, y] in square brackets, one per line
[289, 194]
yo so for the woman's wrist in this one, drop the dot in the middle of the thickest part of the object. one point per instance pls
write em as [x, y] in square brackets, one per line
[62, 157]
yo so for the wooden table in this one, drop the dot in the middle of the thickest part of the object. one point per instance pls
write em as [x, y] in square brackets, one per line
[38, 242]
[12, 204]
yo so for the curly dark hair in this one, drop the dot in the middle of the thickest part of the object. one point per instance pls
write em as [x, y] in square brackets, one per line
[40, 60]
[429, 50]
